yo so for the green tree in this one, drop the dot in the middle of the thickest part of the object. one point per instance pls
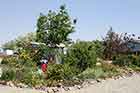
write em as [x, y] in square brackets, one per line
[41, 28]
[55, 27]
[21, 41]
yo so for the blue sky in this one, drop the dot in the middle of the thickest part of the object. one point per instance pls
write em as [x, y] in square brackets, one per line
[18, 17]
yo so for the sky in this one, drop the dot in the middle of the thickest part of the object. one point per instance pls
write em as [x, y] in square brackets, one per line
[94, 17]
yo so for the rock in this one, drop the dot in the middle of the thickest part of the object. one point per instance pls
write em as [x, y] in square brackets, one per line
[44, 89]
[98, 80]
[121, 77]
[71, 88]
[21, 85]
[10, 83]
[3, 82]
[37, 87]
[59, 85]
[117, 77]
[129, 74]
[85, 84]
[49, 90]
[78, 86]
[55, 90]
[88, 82]
[93, 82]
[66, 88]
[61, 90]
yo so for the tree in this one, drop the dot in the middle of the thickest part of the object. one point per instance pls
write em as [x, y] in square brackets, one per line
[113, 44]
[21, 41]
[55, 27]
[41, 28]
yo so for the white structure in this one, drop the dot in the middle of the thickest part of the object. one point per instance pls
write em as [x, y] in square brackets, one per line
[9, 52]
[3, 54]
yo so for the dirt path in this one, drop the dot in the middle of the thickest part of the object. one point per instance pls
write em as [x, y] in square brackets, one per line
[123, 85]
[6, 89]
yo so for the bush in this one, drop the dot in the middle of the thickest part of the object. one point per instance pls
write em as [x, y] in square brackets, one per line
[33, 79]
[29, 76]
[8, 74]
[55, 72]
[11, 61]
[26, 75]
[123, 60]
[59, 72]
[87, 74]
[136, 60]
[103, 71]
[69, 72]
[81, 55]
[127, 60]
[110, 70]
[99, 48]
[92, 73]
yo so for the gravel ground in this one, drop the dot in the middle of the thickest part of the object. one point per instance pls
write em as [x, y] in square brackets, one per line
[122, 85]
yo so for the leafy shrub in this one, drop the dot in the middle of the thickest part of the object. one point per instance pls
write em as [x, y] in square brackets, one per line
[87, 74]
[11, 61]
[136, 60]
[8, 74]
[69, 72]
[99, 48]
[59, 72]
[55, 72]
[29, 76]
[95, 73]
[19, 61]
[123, 60]
[135, 68]
[26, 75]
[103, 71]
[81, 55]
[92, 73]
[110, 70]
[127, 60]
